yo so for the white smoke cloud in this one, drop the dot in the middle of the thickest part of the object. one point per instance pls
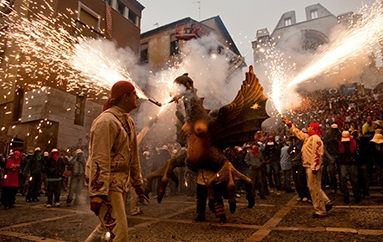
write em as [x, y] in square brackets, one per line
[103, 63]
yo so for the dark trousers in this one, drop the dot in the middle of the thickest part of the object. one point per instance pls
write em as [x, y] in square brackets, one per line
[273, 171]
[22, 184]
[34, 187]
[8, 196]
[264, 179]
[333, 170]
[351, 172]
[300, 180]
[54, 188]
[364, 181]
[256, 176]
[287, 179]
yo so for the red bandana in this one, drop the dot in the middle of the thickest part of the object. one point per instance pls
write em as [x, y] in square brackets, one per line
[118, 90]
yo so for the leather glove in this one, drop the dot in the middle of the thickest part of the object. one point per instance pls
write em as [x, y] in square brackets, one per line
[95, 204]
[139, 190]
[287, 122]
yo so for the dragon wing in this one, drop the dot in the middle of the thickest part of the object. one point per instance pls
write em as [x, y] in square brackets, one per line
[237, 122]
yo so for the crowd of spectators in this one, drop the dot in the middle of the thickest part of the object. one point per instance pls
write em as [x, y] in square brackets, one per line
[360, 113]
[45, 173]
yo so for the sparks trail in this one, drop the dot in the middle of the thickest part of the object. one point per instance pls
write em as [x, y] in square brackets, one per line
[359, 39]
[350, 45]
[52, 51]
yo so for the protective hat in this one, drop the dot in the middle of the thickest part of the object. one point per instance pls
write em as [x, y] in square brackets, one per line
[37, 149]
[378, 137]
[345, 136]
[334, 126]
[78, 151]
[247, 146]
[54, 150]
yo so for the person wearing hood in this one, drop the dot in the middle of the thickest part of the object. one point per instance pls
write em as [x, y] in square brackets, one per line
[11, 182]
[312, 156]
[55, 168]
[113, 164]
[34, 168]
[77, 163]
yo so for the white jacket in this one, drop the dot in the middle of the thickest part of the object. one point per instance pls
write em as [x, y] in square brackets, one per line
[113, 153]
[312, 149]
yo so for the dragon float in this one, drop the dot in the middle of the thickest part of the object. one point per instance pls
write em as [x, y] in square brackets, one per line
[208, 133]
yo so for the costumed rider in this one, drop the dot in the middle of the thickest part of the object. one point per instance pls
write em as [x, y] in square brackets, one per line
[312, 155]
[207, 171]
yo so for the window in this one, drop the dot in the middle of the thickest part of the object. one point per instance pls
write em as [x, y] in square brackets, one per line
[79, 112]
[6, 6]
[133, 17]
[18, 104]
[88, 22]
[314, 14]
[287, 21]
[144, 53]
[174, 45]
[120, 7]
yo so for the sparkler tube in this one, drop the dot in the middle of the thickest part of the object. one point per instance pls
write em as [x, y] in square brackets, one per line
[145, 197]
[155, 102]
[107, 233]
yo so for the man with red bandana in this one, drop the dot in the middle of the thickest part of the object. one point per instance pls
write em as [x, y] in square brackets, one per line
[55, 167]
[113, 163]
[312, 155]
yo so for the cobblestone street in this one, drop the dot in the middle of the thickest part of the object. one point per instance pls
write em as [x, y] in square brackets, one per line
[279, 218]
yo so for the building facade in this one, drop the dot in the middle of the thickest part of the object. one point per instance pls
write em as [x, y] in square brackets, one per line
[300, 41]
[160, 47]
[39, 109]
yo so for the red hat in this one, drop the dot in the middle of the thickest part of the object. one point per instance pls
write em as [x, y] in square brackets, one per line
[270, 140]
[317, 128]
[118, 90]
[17, 153]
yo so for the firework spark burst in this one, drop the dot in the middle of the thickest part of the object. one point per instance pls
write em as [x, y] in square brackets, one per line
[52, 51]
[360, 38]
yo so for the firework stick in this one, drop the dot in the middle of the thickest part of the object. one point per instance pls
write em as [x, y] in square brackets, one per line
[145, 197]
[155, 102]
[102, 222]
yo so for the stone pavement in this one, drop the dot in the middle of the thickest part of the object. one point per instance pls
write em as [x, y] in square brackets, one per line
[279, 218]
